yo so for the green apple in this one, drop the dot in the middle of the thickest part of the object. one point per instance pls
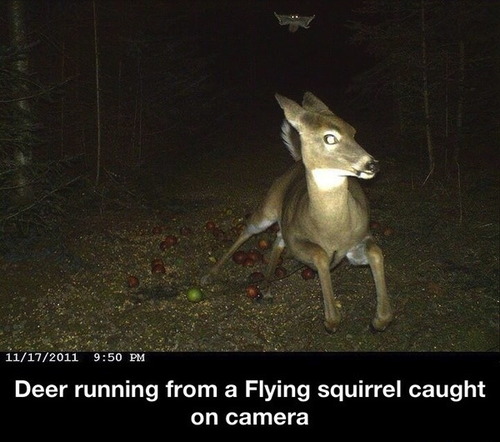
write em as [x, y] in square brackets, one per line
[194, 294]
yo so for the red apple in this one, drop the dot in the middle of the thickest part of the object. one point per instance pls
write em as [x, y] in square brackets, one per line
[263, 244]
[132, 281]
[171, 240]
[249, 262]
[308, 273]
[210, 225]
[253, 291]
[158, 268]
[255, 255]
[239, 257]
[157, 261]
[388, 231]
[168, 242]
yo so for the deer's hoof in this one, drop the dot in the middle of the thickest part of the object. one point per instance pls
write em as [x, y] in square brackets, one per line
[264, 300]
[331, 326]
[266, 297]
[380, 324]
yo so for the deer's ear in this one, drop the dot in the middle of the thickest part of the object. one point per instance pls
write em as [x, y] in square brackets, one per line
[293, 111]
[313, 103]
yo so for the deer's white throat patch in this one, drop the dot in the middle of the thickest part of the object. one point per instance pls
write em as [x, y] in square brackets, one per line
[327, 179]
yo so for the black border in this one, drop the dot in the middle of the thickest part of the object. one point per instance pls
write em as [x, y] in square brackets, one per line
[382, 418]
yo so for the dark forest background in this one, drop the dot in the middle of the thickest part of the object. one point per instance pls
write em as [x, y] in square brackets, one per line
[95, 90]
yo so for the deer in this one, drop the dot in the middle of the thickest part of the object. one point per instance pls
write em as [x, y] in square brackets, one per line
[319, 205]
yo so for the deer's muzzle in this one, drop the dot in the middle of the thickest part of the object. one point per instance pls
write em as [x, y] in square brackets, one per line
[373, 166]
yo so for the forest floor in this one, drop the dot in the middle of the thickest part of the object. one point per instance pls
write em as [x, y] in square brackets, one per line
[68, 291]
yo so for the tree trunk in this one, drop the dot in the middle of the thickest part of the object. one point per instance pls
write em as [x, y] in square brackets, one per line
[446, 115]
[98, 98]
[136, 134]
[425, 91]
[398, 87]
[460, 113]
[460, 101]
[139, 137]
[400, 110]
[22, 152]
[62, 122]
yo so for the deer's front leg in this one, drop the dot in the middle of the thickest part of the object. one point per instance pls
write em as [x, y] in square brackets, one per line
[321, 261]
[384, 314]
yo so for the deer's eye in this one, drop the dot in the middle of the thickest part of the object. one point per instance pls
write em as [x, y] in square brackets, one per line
[330, 139]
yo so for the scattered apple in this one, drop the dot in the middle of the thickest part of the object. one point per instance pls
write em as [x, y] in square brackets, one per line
[255, 255]
[171, 240]
[263, 244]
[388, 231]
[253, 291]
[210, 225]
[239, 257]
[308, 273]
[194, 294]
[157, 261]
[158, 268]
[168, 242]
[249, 262]
[132, 281]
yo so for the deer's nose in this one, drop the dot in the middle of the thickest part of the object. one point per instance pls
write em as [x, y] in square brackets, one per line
[372, 166]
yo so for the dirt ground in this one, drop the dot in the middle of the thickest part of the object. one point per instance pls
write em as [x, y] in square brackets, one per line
[68, 291]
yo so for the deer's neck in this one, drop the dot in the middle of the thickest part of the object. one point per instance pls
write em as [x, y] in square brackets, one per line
[328, 193]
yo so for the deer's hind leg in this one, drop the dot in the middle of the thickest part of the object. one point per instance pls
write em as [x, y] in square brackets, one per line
[278, 247]
[266, 215]
[258, 223]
